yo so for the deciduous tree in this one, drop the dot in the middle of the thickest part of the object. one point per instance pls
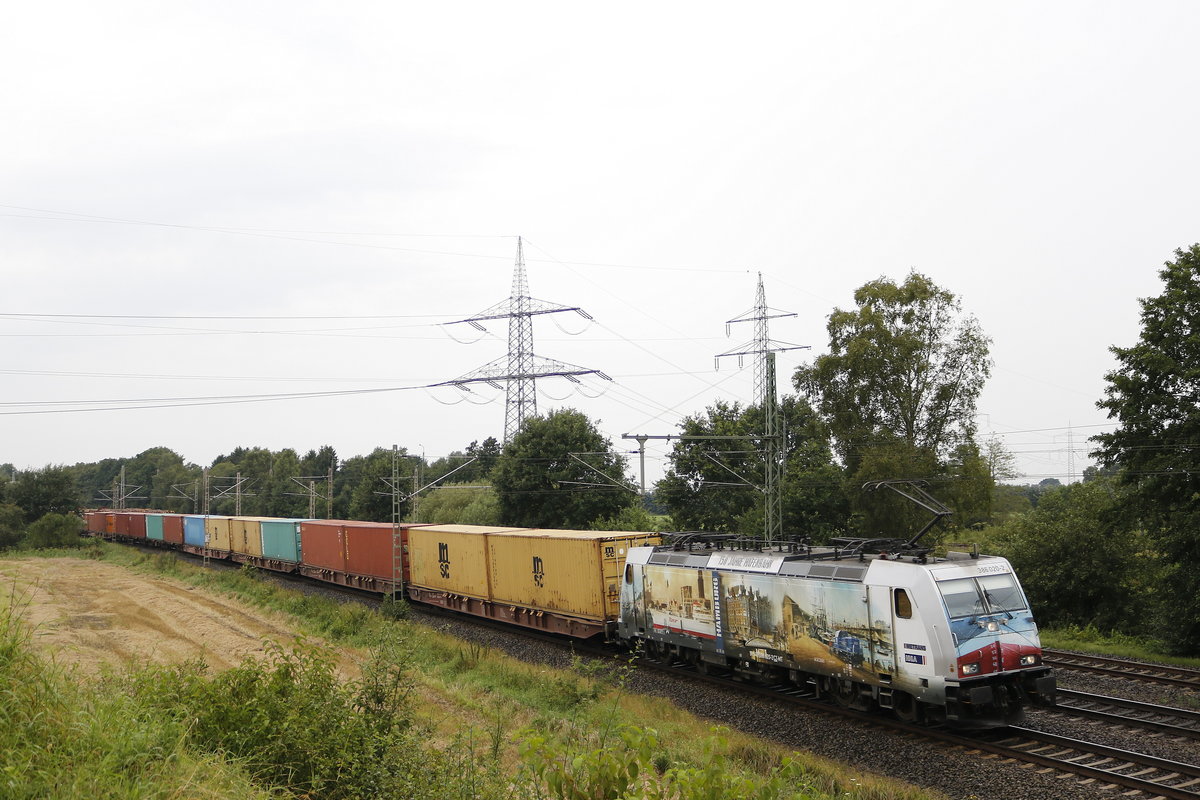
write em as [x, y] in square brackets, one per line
[905, 364]
[1078, 562]
[560, 472]
[715, 485]
[44, 491]
[12, 525]
[1154, 397]
[898, 390]
[371, 498]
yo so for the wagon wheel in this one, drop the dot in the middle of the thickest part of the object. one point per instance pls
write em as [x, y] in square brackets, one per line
[844, 692]
[906, 707]
[661, 652]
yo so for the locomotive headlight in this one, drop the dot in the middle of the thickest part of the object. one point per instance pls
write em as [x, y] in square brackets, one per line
[1031, 660]
[969, 669]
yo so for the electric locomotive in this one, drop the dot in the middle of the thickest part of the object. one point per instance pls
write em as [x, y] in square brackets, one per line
[866, 623]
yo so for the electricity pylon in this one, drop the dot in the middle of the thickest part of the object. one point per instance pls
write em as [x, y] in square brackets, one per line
[763, 348]
[520, 370]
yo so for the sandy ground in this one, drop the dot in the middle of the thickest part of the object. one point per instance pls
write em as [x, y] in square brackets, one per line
[89, 613]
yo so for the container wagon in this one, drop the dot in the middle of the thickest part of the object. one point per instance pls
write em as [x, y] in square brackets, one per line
[561, 581]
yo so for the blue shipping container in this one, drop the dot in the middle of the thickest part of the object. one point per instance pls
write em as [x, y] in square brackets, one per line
[193, 531]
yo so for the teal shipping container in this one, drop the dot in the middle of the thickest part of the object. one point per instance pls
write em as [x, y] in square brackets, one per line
[281, 539]
[154, 526]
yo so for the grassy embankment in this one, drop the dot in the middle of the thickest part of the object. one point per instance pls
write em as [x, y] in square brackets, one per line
[430, 716]
[62, 737]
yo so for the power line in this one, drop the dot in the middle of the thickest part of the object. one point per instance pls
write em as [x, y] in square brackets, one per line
[20, 314]
[185, 402]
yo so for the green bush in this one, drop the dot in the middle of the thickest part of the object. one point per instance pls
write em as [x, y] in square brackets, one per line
[596, 769]
[54, 530]
[62, 737]
[293, 723]
[12, 525]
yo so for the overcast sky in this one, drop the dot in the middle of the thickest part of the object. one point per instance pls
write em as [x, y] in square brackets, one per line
[263, 199]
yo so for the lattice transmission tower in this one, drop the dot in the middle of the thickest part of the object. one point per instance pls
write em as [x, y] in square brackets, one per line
[764, 348]
[519, 371]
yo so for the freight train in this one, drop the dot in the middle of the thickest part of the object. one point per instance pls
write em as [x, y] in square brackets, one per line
[867, 624]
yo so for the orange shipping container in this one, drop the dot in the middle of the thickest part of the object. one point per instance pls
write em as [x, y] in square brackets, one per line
[173, 528]
[369, 548]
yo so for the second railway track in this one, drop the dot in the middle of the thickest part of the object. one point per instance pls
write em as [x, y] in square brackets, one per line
[1166, 720]
[1123, 668]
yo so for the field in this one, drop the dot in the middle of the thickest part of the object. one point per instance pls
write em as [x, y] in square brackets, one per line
[119, 630]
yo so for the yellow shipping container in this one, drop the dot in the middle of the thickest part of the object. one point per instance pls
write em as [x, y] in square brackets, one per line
[573, 573]
[450, 558]
[245, 535]
[216, 533]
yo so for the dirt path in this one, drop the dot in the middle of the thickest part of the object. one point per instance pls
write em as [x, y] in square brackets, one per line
[89, 613]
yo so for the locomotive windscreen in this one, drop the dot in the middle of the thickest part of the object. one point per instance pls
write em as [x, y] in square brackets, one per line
[988, 594]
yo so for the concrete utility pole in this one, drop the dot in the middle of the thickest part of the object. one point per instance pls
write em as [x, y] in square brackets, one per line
[397, 533]
[121, 492]
[521, 368]
[309, 484]
[186, 491]
[231, 490]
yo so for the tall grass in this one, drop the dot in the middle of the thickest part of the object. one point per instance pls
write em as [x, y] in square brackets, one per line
[58, 739]
[436, 717]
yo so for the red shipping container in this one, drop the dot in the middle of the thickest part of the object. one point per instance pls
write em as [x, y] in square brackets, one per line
[322, 545]
[137, 525]
[121, 523]
[369, 548]
[173, 528]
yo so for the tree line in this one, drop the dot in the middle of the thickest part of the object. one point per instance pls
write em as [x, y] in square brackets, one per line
[894, 397]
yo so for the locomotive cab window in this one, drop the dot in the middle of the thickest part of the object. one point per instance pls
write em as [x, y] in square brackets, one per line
[990, 594]
[629, 573]
[903, 605]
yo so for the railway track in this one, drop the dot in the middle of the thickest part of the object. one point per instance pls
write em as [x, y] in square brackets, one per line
[1166, 720]
[1103, 767]
[1123, 668]
[1107, 768]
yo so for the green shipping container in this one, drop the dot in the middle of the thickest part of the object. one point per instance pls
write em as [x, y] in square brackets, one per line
[281, 539]
[154, 526]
